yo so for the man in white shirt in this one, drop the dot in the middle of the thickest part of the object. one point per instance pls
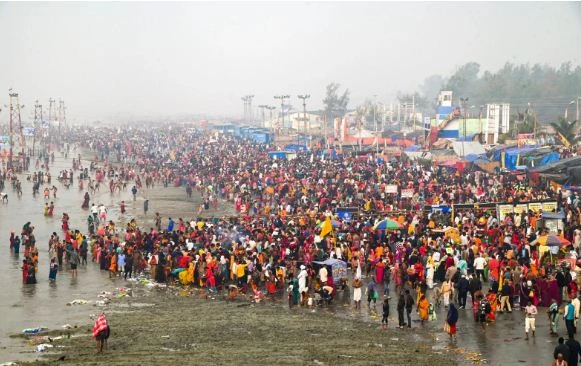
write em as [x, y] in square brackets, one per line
[323, 275]
[479, 264]
[530, 313]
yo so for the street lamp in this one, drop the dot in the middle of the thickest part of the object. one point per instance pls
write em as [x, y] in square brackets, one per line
[304, 97]
[282, 98]
[261, 107]
[375, 121]
[270, 109]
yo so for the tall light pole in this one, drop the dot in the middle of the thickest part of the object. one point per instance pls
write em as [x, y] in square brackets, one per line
[270, 109]
[304, 97]
[37, 123]
[282, 97]
[375, 121]
[250, 114]
[482, 141]
[261, 107]
[245, 100]
[567, 109]
[463, 102]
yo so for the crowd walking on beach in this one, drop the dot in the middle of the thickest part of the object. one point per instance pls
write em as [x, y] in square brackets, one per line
[290, 239]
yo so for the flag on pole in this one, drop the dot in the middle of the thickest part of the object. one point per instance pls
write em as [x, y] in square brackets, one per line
[326, 228]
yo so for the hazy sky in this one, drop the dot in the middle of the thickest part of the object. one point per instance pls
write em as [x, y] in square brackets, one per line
[147, 59]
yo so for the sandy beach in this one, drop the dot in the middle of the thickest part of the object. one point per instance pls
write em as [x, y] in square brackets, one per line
[173, 326]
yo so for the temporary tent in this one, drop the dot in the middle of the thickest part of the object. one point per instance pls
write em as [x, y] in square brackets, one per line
[338, 268]
[565, 171]
[464, 148]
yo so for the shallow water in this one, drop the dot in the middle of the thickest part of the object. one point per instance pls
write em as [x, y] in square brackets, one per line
[44, 304]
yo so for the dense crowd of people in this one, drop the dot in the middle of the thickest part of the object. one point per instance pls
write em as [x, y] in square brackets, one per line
[288, 225]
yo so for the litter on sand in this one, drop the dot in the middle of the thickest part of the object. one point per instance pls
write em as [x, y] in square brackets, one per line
[77, 302]
[43, 347]
[34, 330]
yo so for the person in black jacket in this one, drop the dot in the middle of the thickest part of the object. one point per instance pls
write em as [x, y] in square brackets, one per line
[463, 287]
[400, 309]
[475, 286]
[409, 303]
[561, 348]
[574, 351]
[385, 314]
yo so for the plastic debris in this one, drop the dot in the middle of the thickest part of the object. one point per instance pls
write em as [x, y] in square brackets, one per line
[77, 302]
[43, 347]
[101, 303]
[34, 330]
[67, 326]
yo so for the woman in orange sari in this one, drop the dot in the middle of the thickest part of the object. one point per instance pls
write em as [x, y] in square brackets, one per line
[113, 265]
[423, 306]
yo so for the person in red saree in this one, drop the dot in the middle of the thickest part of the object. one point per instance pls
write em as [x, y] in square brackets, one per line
[493, 301]
[493, 268]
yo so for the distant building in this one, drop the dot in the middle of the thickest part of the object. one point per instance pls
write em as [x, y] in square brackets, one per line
[453, 123]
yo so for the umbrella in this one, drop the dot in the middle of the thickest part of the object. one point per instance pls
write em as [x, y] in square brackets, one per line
[334, 224]
[551, 241]
[387, 224]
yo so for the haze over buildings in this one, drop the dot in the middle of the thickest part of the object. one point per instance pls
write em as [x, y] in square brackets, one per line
[124, 60]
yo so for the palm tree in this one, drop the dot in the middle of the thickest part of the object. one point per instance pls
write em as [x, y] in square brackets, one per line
[566, 130]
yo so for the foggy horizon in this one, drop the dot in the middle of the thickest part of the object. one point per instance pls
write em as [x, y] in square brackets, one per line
[126, 61]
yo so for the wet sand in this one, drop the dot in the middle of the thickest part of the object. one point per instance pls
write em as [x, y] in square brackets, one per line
[193, 329]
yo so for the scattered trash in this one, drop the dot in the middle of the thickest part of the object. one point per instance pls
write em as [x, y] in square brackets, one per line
[379, 345]
[101, 303]
[346, 356]
[317, 362]
[34, 330]
[169, 349]
[395, 339]
[77, 302]
[43, 347]
[67, 326]
[165, 336]
[8, 364]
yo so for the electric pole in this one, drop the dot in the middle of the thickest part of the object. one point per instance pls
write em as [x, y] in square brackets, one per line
[15, 118]
[282, 98]
[37, 123]
[51, 119]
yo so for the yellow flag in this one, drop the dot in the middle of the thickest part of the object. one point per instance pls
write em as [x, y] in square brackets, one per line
[327, 227]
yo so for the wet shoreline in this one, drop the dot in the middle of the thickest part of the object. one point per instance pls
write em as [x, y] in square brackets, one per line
[176, 324]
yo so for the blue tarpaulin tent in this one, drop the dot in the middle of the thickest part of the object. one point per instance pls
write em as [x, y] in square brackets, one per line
[338, 268]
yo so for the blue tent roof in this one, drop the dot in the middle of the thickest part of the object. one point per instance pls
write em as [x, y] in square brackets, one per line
[413, 148]
[476, 158]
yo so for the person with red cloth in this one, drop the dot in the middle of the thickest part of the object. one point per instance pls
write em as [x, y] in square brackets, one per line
[101, 331]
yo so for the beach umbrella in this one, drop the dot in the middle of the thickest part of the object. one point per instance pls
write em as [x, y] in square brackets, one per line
[387, 224]
[551, 241]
